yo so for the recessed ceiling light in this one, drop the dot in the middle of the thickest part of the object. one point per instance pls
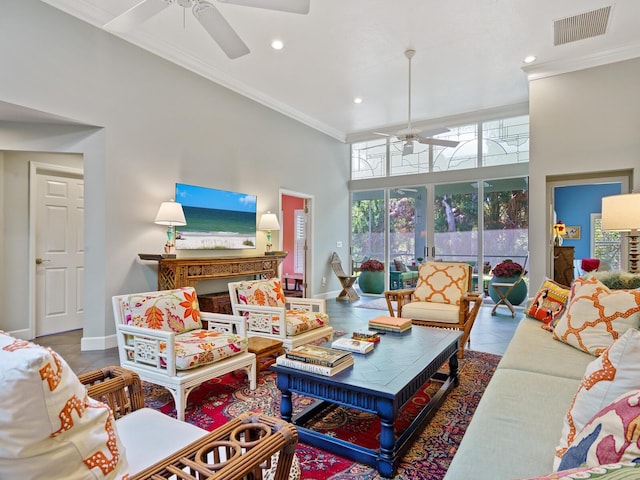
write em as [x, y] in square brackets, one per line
[529, 59]
[277, 45]
[357, 100]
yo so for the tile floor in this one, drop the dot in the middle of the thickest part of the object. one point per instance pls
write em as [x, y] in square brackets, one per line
[490, 333]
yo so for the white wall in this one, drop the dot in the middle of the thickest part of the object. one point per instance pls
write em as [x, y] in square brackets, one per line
[157, 124]
[581, 123]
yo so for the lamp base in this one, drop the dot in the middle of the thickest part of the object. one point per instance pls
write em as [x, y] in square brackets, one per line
[634, 253]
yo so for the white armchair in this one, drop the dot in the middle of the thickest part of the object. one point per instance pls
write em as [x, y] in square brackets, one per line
[160, 337]
[268, 313]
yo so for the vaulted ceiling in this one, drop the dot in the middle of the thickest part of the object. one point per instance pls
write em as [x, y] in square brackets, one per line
[469, 53]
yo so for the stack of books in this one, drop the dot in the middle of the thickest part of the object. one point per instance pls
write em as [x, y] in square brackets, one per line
[366, 336]
[315, 359]
[390, 324]
[352, 345]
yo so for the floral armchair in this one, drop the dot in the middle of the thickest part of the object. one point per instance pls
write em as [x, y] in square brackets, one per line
[161, 338]
[268, 313]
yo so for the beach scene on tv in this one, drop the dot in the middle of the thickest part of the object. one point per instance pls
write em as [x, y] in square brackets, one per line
[216, 219]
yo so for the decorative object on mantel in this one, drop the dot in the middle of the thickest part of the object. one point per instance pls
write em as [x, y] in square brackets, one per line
[269, 222]
[559, 230]
[621, 213]
[170, 213]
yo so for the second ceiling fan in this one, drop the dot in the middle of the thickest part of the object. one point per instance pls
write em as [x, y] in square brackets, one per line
[209, 17]
[410, 135]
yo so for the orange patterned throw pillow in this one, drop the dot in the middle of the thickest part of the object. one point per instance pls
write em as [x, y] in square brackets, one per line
[169, 310]
[49, 427]
[267, 293]
[442, 282]
[597, 316]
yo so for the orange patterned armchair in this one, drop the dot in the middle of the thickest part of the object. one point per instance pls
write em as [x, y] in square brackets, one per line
[442, 298]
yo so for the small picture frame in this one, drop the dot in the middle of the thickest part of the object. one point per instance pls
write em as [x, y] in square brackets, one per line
[572, 233]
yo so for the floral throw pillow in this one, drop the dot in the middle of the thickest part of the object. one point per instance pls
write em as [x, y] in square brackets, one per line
[169, 310]
[615, 372]
[611, 436]
[597, 316]
[549, 302]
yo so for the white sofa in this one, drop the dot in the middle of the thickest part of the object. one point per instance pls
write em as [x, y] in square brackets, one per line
[518, 423]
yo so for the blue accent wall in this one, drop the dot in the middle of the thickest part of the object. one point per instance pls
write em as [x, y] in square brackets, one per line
[574, 206]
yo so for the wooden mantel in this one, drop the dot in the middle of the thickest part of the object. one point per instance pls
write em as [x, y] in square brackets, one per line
[184, 272]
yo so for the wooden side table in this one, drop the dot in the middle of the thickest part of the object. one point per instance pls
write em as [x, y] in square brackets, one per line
[265, 347]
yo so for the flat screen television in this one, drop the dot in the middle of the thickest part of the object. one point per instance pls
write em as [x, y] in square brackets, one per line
[216, 219]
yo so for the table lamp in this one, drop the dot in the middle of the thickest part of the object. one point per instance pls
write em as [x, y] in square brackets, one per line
[170, 213]
[269, 222]
[621, 213]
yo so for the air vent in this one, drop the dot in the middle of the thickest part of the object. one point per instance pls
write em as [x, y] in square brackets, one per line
[579, 27]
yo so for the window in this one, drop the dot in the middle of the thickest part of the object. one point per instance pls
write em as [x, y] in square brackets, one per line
[605, 245]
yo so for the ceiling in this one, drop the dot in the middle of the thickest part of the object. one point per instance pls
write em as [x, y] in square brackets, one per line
[469, 54]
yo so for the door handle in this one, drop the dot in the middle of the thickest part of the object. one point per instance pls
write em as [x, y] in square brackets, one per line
[40, 261]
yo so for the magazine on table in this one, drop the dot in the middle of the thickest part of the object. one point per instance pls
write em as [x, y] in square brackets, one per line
[329, 357]
[283, 361]
[352, 345]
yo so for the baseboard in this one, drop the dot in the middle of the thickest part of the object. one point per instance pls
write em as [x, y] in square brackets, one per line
[98, 343]
[24, 334]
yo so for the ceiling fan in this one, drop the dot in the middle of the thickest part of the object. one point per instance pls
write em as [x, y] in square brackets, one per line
[409, 135]
[208, 16]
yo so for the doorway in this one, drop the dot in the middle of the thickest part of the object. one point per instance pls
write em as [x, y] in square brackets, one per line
[295, 238]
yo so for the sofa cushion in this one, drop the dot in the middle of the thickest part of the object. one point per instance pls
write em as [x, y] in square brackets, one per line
[596, 316]
[202, 347]
[442, 282]
[533, 349]
[549, 302]
[437, 312]
[48, 423]
[518, 418]
[268, 293]
[615, 372]
[615, 471]
[169, 310]
[611, 436]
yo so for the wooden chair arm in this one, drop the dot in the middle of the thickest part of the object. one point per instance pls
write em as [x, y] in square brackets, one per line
[401, 297]
[119, 388]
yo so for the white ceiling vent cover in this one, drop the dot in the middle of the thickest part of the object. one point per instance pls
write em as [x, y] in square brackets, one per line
[579, 27]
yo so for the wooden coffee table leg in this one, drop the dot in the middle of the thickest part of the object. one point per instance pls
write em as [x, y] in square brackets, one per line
[453, 369]
[387, 438]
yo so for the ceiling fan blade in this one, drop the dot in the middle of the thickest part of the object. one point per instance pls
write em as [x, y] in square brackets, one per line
[408, 149]
[292, 6]
[438, 141]
[139, 13]
[220, 30]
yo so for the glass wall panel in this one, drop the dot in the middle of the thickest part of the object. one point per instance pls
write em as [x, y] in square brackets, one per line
[464, 155]
[368, 216]
[505, 141]
[506, 220]
[368, 159]
[407, 224]
[455, 219]
[417, 162]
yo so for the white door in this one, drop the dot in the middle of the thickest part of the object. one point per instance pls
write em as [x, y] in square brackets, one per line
[59, 253]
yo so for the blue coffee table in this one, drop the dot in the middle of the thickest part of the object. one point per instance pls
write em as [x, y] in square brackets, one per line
[380, 382]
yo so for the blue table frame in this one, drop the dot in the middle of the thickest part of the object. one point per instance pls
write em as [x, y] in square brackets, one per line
[380, 382]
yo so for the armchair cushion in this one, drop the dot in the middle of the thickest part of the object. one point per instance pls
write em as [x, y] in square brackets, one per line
[172, 311]
[442, 282]
[267, 293]
[436, 312]
[49, 425]
[202, 347]
[299, 322]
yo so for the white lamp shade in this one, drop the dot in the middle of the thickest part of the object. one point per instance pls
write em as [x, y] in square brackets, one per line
[268, 221]
[621, 213]
[170, 213]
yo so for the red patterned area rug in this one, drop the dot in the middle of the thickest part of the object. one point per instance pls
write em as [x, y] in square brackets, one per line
[219, 400]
